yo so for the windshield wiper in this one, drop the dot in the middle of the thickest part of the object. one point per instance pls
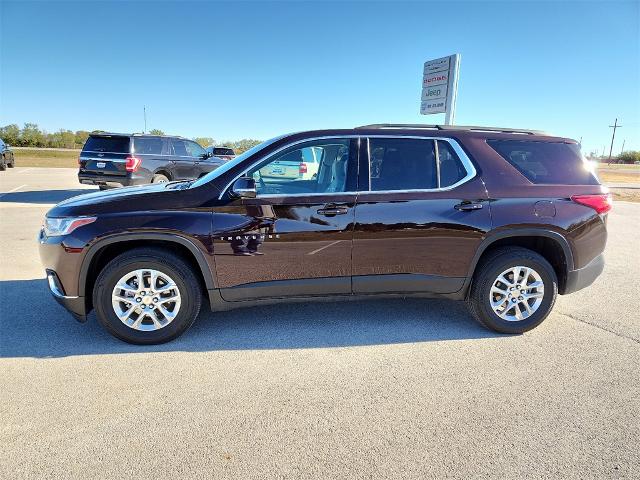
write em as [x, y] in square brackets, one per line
[180, 184]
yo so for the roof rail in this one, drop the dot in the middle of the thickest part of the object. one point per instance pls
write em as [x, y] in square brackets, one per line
[468, 128]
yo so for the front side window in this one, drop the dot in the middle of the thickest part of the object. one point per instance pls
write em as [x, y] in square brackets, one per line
[179, 148]
[194, 149]
[402, 164]
[317, 166]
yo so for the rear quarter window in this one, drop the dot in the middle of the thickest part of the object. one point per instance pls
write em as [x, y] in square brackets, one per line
[107, 144]
[546, 162]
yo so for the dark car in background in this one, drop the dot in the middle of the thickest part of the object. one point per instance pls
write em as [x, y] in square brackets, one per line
[225, 153]
[6, 156]
[112, 159]
[504, 219]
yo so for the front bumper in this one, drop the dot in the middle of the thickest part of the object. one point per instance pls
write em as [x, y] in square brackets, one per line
[75, 305]
[583, 277]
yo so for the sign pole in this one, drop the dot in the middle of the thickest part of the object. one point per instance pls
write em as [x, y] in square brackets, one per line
[453, 88]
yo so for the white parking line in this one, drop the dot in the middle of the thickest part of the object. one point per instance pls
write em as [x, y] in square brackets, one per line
[322, 248]
[12, 190]
[25, 170]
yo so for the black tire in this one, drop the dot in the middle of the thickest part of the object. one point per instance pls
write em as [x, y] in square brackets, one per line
[157, 259]
[12, 164]
[3, 165]
[486, 274]
[159, 178]
[103, 187]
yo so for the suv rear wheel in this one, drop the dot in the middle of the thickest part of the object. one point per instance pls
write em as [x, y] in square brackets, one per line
[147, 296]
[513, 291]
[159, 178]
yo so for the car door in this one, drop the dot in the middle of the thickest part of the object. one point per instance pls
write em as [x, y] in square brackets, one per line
[199, 155]
[295, 237]
[420, 217]
[153, 152]
[184, 164]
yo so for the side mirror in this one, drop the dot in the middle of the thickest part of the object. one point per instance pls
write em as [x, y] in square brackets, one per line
[244, 187]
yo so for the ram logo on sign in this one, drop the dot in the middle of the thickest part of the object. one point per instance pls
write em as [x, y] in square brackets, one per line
[440, 87]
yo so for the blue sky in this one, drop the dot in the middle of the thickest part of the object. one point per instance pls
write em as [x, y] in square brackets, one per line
[243, 69]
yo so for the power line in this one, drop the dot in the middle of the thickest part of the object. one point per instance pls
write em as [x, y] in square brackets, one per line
[615, 126]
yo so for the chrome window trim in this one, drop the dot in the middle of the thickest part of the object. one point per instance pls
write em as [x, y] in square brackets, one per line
[466, 163]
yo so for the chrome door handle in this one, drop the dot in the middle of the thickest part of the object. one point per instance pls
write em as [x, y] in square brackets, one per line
[332, 211]
[468, 206]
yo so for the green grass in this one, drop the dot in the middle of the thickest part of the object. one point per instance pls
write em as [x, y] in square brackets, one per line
[40, 157]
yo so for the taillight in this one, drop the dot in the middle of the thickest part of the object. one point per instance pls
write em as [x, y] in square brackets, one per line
[600, 203]
[303, 168]
[133, 163]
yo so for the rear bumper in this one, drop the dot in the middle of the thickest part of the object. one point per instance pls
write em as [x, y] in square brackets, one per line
[583, 277]
[87, 178]
[75, 305]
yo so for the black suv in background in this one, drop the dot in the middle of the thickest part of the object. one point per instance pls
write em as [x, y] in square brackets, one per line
[113, 159]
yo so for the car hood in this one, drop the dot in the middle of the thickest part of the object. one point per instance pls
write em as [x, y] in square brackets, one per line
[145, 197]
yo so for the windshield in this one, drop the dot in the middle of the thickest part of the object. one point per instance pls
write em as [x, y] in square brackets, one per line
[224, 168]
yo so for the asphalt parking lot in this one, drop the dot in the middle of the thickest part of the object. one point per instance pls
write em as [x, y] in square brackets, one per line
[379, 389]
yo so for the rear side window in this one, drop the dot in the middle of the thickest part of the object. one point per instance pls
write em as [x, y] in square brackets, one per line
[546, 162]
[451, 168]
[402, 164]
[109, 143]
[148, 146]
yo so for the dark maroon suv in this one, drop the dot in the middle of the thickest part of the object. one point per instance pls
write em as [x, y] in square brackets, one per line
[504, 219]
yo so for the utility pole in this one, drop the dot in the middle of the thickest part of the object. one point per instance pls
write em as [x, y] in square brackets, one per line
[144, 108]
[615, 126]
[580, 143]
[622, 151]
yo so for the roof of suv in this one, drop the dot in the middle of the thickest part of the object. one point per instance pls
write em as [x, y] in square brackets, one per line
[469, 128]
[391, 129]
[116, 134]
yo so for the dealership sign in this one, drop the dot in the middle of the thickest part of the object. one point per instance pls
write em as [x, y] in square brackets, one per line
[439, 86]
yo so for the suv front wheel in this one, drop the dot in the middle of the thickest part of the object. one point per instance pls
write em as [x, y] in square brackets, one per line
[513, 291]
[147, 296]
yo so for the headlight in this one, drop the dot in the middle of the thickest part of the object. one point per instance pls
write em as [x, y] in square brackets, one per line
[54, 227]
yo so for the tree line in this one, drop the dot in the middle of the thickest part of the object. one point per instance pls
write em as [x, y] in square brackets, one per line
[30, 135]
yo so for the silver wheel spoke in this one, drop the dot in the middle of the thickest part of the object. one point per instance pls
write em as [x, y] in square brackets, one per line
[518, 311]
[166, 287]
[495, 289]
[167, 314]
[138, 320]
[534, 295]
[125, 314]
[172, 298]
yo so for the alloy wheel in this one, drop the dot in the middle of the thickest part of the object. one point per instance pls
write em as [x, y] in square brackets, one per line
[517, 293]
[146, 299]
